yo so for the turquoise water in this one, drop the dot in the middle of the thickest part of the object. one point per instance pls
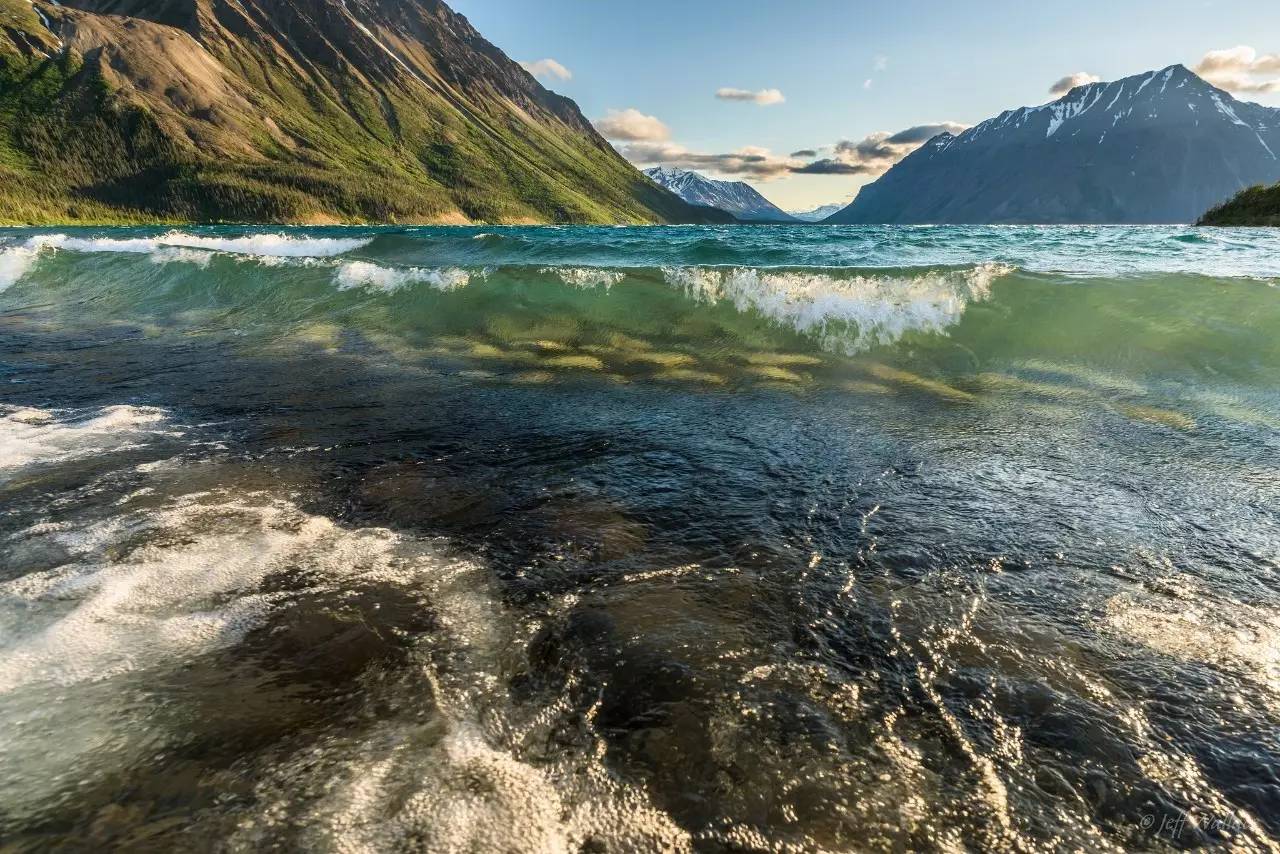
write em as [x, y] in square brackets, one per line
[749, 538]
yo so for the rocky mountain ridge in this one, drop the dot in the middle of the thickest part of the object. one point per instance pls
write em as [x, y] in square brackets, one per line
[1160, 147]
[310, 110]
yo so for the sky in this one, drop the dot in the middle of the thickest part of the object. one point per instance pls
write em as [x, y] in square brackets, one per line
[745, 89]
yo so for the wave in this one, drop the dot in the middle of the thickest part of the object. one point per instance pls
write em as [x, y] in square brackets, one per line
[586, 277]
[846, 313]
[15, 262]
[257, 245]
[842, 310]
[363, 274]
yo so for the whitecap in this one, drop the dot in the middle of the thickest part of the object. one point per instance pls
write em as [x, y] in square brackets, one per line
[586, 277]
[15, 262]
[845, 313]
[271, 245]
[182, 255]
[362, 274]
[264, 245]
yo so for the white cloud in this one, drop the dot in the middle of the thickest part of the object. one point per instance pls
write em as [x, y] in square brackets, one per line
[872, 155]
[1241, 69]
[763, 97]
[866, 84]
[631, 125]
[1071, 81]
[875, 153]
[749, 161]
[881, 63]
[547, 69]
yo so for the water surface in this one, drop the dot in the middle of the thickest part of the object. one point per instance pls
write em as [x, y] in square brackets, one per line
[715, 539]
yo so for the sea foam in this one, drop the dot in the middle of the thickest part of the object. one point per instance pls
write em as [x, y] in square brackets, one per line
[15, 262]
[33, 436]
[257, 245]
[362, 274]
[586, 277]
[194, 590]
[845, 313]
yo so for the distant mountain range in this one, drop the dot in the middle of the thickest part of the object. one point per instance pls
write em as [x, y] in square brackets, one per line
[736, 197]
[1161, 147]
[817, 214]
[292, 110]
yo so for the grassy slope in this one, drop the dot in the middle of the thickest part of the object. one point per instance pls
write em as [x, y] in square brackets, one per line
[74, 148]
[1252, 206]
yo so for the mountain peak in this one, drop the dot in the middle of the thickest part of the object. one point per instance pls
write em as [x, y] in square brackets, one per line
[737, 197]
[1176, 76]
[295, 110]
[1160, 146]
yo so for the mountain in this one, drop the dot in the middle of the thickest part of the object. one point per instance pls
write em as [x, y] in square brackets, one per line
[736, 197]
[1160, 147]
[291, 110]
[817, 214]
[1254, 206]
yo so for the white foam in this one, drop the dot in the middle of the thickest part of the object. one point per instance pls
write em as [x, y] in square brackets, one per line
[844, 313]
[362, 274]
[34, 436]
[586, 277]
[192, 591]
[163, 582]
[182, 255]
[156, 584]
[1243, 639]
[255, 245]
[273, 245]
[15, 262]
[404, 790]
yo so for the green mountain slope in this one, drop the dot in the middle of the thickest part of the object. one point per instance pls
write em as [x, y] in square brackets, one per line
[292, 110]
[1252, 206]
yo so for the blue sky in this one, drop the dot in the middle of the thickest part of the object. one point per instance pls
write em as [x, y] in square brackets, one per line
[927, 62]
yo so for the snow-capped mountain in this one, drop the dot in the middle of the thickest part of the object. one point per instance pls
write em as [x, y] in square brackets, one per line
[736, 197]
[817, 214]
[1160, 147]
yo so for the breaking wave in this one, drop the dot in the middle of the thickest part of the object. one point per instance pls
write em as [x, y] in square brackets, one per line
[15, 262]
[258, 245]
[848, 313]
[586, 277]
[842, 310]
[363, 274]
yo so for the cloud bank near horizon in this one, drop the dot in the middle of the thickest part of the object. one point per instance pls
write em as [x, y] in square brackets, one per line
[876, 153]
[646, 141]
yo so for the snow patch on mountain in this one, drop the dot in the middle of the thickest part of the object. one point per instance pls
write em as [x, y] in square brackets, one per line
[737, 197]
[818, 214]
[1159, 147]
